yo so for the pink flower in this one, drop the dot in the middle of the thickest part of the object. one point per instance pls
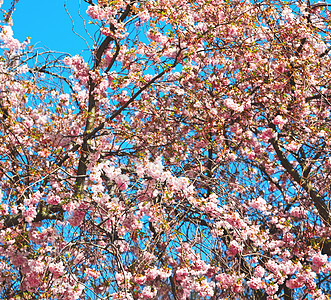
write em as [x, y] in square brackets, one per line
[279, 67]
[298, 212]
[232, 157]
[53, 199]
[33, 280]
[140, 171]
[256, 283]
[152, 273]
[294, 283]
[19, 260]
[80, 67]
[57, 269]
[34, 199]
[95, 274]
[259, 204]
[226, 280]
[267, 134]
[272, 289]
[149, 292]
[310, 284]
[14, 209]
[278, 120]
[327, 163]
[229, 103]
[3, 209]
[122, 181]
[319, 260]
[181, 274]
[140, 279]
[293, 146]
[37, 266]
[6, 36]
[64, 99]
[165, 273]
[144, 16]
[272, 266]
[205, 289]
[234, 248]
[287, 14]
[30, 214]
[77, 217]
[96, 12]
[106, 31]
[259, 272]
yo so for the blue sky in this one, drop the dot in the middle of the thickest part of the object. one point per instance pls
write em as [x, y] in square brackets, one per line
[48, 24]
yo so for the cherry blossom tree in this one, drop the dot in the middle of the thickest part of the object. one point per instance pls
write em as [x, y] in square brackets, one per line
[186, 158]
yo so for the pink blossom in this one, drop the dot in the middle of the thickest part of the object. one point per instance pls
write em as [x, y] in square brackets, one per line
[294, 283]
[289, 267]
[96, 12]
[140, 279]
[149, 292]
[259, 272]
[287, 14]
[64, 99]
[165, 273]
[319, 295]
[34, 199]
[319, 260]
[53, 199]
[267, 134]
[279, 67]
[328, 162]
[298, 212]
[258, 203]
[272, 266]
[57, 269]
[144, 16]
[6, 36]
[152, 273]
[106, 31]
[272, 289]
[33, 280]
[206, 289]
[122, 181]
[77, 217]
[234, 248]
[37, 266]
[70, 207]
[256, 283]
[80, 68]
[122, 295]
[229, 103]
[226, 280]
[154, 169]
[310, 284]
[180, 183]
[280, 121]
[14, 209]
[123, 279]
[157, 37]
[293, 146]
[140, 171]
[95, 274]
[3, 208]
[19, 260]
[181, 274]
[232, 157]
[30, 213]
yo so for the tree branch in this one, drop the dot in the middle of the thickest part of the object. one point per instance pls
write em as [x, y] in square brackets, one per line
[305, 184]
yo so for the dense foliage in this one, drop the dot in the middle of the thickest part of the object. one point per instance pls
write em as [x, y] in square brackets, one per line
[187, 158]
